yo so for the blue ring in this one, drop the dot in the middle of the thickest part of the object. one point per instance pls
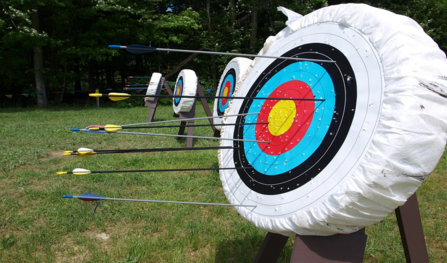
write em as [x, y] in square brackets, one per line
[230, 78]
[320, 82]
[179, 83]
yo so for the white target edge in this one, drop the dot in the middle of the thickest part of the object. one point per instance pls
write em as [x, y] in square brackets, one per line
[382, 175]
[153, 86]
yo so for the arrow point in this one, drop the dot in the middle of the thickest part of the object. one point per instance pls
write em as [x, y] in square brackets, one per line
[97, 95]
[67, 196]
[114, 46]
[61, 173]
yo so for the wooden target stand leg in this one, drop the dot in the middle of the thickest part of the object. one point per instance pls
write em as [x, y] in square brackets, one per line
[349, 247]
[191, 114]
[153, 104]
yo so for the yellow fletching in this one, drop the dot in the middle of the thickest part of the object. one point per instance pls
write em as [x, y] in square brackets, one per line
[81, 173]
[85, 154]
[61, 173]
[95, 95]
[118, 96]
[112, 128]
[94, 129]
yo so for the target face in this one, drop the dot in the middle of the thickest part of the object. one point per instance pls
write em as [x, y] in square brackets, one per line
[232, 77]
[178, 91]
[226, 90]
[186, 85]
[153, 87]
[309, 147]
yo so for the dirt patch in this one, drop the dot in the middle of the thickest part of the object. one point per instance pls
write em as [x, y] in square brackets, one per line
[68, 251]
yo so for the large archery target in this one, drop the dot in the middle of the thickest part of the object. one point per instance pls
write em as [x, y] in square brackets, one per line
[186, 85]
[154, 85]
[328, 167]
[233, 75]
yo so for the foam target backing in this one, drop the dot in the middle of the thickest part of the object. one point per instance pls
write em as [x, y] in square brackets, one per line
[185, 85]
[232, 77]
[153, 86]
[358, 144]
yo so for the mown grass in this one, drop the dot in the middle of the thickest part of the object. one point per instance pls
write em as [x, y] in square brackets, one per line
[37, 225]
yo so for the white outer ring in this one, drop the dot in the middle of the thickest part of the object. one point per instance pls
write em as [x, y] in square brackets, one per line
[242, 67]
[404, 148]
[153, 86]
[189, 89]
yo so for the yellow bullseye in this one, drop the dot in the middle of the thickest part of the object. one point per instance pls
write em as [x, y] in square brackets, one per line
[281, 117]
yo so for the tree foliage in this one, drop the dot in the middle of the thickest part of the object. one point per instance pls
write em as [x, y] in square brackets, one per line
[74, 36]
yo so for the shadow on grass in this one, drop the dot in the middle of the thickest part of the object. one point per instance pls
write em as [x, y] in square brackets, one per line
[245, 249]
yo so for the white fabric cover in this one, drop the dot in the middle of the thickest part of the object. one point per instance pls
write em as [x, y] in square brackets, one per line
[153, 86]
[241, 66]
[410, 136]
[189, 89]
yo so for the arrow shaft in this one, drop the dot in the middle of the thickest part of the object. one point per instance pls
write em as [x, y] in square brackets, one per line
[190, 119]
[152, 201]
[166, 170]
[211, 97]
[160, 150]
[194, 125]
[188, 136]
[150, 49]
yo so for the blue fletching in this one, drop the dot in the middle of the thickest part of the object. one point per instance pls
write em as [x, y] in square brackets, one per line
[67, 196]
[89, 131]
[140, 49]
[91, 195]
[114, 46]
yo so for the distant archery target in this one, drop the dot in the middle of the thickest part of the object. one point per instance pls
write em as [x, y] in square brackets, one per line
[186, 85]
[233, 75]
[153, 87]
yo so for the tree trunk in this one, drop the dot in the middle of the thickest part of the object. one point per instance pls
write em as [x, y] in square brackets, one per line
[38, 64]
[91, 75]
[254, 26]
[181, 64]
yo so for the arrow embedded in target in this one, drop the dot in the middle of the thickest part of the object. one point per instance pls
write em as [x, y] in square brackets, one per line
[115, 128]
[86, 152]
[115, 96]
[141, 49]
[82, 171]
[88, 197]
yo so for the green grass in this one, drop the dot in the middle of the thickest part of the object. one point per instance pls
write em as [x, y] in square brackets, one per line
[37, 225]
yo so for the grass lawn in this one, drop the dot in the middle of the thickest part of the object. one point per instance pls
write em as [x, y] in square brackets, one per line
[37, 225]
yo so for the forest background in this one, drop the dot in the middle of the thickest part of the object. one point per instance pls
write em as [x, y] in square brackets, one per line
[53, 51]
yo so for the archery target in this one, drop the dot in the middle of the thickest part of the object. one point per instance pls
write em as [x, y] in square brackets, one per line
[153, 86]
[186, 85]
[233, 75]
[324, 165]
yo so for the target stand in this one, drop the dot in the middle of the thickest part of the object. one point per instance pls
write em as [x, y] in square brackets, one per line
[349, 247]
[153, 104]
[191, 114]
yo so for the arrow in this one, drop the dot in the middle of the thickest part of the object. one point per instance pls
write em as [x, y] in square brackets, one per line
[86, 152]
[88, 197]
[87, 129]
[189, 136]
[141, 49]
[139, 77]
[115, 96]
[191, 119]
[82, 171]
[115, 128]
